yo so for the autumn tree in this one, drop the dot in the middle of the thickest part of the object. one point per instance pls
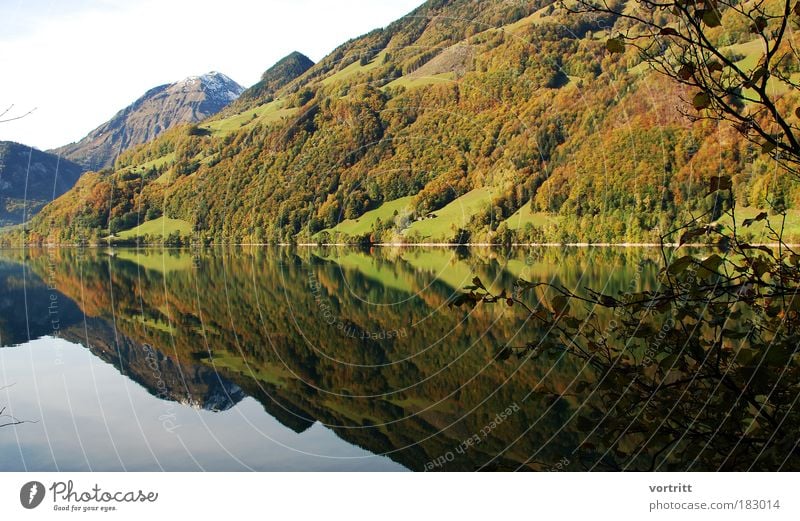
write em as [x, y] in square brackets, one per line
[700, 371]
[689, 42]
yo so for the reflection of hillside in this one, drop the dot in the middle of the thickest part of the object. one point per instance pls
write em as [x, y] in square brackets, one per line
[30, 310]
[44, 311]
[416, 391]
[165, 377]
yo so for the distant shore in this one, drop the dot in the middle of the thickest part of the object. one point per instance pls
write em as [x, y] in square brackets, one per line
[390, 245]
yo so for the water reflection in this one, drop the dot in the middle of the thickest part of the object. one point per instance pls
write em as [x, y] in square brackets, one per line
[300, 359]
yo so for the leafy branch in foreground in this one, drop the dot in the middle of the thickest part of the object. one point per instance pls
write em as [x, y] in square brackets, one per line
[689, 42]
[702, 371]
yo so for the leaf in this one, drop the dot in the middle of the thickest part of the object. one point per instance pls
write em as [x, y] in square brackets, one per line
[503, 354]
[464, 298]
[581, 386]
[477, 282]
[768, 147]
[691, 234]
[541, 315]
[760, 268]
[710, 266]
[584, 424]
[760, 217]
[721, 182]
[797, 112]
[712, 18]
[510, 302]
[560, 304]
[686, 72]
[680, 265]
[572, 322]
[763, 248]
[608, 302]
[701, 101]
[668, 31]
[668, 361]
[714, 66]
[760, 25]
[777, 356]
[615, 45]
[745, 356]
[734, 335]
[758, 75]
[796, 9]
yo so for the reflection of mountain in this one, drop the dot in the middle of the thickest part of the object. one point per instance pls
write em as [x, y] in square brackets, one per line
[30, 310]
[340, 338]
[169, 379]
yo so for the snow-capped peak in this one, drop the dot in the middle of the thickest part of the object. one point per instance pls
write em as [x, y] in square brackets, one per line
[215, 83]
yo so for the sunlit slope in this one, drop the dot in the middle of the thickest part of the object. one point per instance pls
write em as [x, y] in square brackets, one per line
[498, 123]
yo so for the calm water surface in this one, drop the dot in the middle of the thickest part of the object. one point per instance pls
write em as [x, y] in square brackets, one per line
[285, 359]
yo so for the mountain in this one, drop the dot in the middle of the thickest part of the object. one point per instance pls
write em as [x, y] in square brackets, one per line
[29, 179]
[159, 109]
[275, 78]
[463, 121]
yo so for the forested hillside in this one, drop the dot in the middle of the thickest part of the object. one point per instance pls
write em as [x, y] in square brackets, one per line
[29, 179]
[465, 121]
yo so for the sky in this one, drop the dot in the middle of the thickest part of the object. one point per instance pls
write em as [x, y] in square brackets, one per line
[79, 62]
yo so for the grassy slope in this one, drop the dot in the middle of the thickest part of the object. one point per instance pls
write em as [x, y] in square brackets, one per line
[410, 82]
[354, 68]
[155, 163]
[267, 113]
[525, 215]
[759, 231]
[365, 223]
[162, 226]
[456, 214]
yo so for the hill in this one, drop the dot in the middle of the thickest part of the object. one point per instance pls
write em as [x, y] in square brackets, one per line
[520, 102]
[274, 79]
[159, 109]
[29, 179]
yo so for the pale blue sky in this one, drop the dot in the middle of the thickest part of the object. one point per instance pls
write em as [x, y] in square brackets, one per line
[80, 61]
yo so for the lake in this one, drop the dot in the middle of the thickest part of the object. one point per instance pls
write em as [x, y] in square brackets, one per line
[324, 359]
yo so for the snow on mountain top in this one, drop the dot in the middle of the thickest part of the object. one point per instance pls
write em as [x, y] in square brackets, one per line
[215, 83]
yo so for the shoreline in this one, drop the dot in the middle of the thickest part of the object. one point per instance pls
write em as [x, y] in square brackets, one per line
[384, 245]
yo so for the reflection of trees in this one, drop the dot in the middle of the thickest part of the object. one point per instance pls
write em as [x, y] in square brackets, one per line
[700, 373]
[257, 323]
